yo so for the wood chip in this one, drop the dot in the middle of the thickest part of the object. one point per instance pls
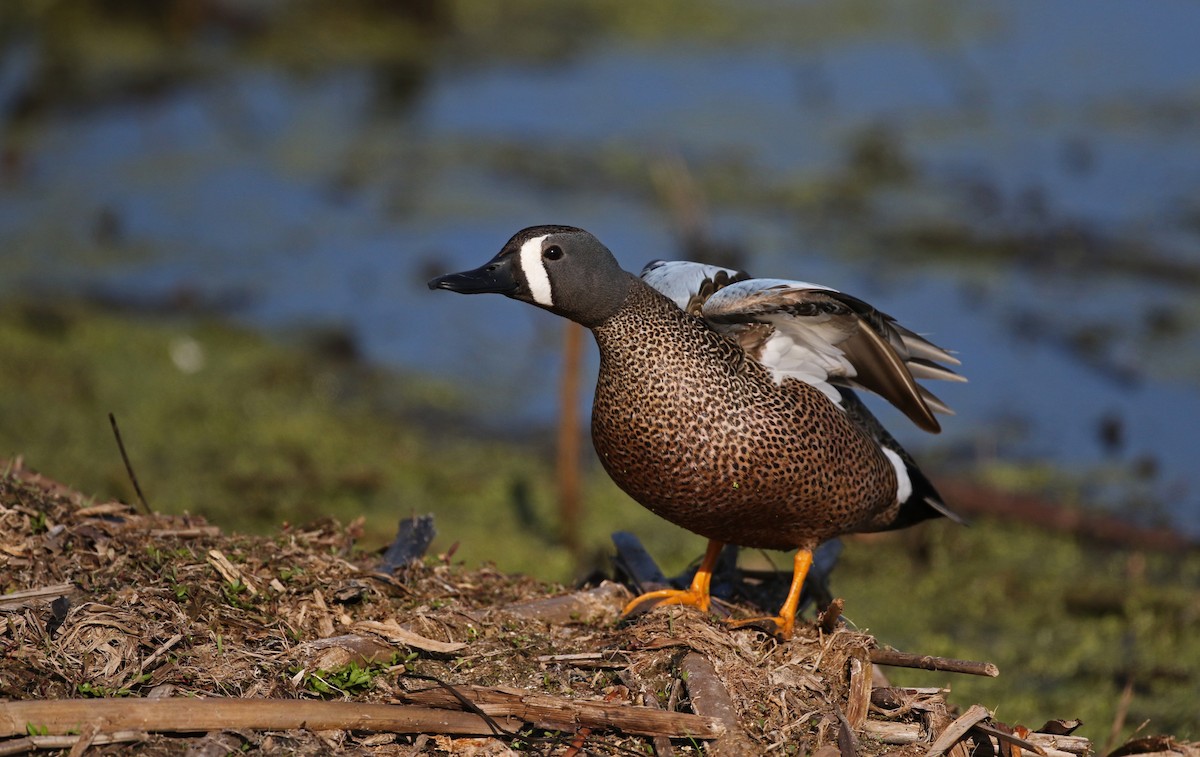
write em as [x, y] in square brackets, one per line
[106, 508]
[324, 622]
[195, 532]
[614, 660]
[896, 734]
[858, 698]
[829, 617]
[599, 603]
[229, 571]
[847, 743]
[19, 600]
[333, 652]
[397, 634]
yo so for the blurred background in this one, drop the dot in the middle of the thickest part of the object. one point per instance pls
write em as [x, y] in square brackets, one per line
[217, 218]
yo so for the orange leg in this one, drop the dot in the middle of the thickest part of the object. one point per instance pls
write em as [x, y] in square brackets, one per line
[695, 595]
[782, 624]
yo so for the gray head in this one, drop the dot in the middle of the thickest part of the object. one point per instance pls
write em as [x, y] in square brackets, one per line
[560, 268]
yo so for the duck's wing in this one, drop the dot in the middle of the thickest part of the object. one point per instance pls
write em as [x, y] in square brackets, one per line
[827, 338]
[689, 284]
[812, 333]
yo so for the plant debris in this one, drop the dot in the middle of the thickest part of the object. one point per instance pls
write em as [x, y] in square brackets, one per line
[120, 628]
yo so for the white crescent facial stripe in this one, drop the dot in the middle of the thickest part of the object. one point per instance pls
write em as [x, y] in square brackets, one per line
[535, 271]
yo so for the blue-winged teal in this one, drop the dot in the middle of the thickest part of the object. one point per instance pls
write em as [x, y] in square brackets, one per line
[724, 403]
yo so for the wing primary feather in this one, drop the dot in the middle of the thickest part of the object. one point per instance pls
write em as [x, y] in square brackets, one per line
[927, 369]
[883, 371]
[935, 403]
[920, 347]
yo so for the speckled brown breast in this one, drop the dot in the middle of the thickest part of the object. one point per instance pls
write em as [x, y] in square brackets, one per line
[700, 434]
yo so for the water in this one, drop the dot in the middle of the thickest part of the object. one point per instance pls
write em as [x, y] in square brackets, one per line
[322, 197]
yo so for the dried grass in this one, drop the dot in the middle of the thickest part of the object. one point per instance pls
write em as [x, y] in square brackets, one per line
[165, 606]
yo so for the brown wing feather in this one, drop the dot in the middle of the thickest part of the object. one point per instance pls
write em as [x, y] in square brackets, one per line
[883, 371]
[711, 286]
[887, 358]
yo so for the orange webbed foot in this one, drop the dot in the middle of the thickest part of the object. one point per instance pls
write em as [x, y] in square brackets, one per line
[782, 625]
[648, 601]
[695, 595]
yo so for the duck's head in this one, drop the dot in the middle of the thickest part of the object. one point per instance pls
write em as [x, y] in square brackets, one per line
[560, 268]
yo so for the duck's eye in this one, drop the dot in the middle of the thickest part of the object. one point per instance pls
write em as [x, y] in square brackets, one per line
[553, 252]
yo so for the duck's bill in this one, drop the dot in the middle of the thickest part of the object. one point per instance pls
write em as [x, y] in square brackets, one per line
[496, 276]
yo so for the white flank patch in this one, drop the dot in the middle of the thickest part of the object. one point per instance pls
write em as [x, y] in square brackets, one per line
[535, 271]
[904, 489]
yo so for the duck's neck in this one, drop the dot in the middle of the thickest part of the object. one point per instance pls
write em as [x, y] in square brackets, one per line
[648, 328]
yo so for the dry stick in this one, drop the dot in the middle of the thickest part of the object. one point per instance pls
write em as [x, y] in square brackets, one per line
[30, 743]
[183, 715]
[956, 730]
[710, 697]
[1003, 738]
[398, 634]
[466, 703]
[557, 713]
[829, 617]
[897, 734]
[186, 533]
[163, 649]
[586, 659]
[929, 662]
[112, 419]
[87, 735]
[902, 734]
[20, 599]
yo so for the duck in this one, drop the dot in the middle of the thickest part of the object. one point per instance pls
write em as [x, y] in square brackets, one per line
[728, 405]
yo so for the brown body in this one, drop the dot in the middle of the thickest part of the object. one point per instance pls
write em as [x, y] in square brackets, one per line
[697, 433]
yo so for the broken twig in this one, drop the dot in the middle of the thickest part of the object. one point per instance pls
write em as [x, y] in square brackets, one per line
[929, 662]
[957, 730]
